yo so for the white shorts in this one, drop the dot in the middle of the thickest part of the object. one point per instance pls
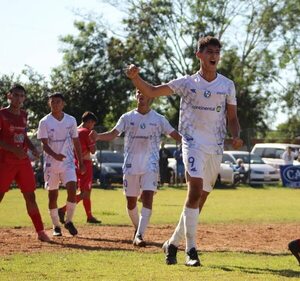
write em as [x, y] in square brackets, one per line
[132, 184]
[53, 178]
[202, 165]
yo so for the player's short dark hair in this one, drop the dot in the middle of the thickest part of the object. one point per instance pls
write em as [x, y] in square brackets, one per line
[17, 87]
[205, 41]
[87, 116]
[56, 95]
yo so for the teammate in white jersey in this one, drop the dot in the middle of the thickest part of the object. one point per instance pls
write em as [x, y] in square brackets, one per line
[143, 128]
[59, 136]
[207, 101]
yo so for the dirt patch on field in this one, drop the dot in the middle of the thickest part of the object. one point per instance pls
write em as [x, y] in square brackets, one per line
[270, 238]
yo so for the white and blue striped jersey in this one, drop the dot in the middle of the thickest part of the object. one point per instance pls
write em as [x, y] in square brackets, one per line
[60, 136]
[142, 140]
[202, 120]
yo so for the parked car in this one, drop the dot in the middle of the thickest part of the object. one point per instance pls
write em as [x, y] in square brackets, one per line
[107, 167]
[258, 171]
[271, 152]
[226, 174]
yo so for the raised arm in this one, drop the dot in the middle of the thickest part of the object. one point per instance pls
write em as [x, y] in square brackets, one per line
[147, 89]
[234, 126]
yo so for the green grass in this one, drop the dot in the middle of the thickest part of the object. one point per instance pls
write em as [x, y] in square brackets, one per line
[242, 205]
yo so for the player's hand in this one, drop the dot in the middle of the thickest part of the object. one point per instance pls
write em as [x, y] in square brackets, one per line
[59, 157]
[132, 71]
[237, 143]
[20, 152]
[93, 135]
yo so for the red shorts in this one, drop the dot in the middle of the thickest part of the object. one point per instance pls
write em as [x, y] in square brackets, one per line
[21, 172]
[84, 182]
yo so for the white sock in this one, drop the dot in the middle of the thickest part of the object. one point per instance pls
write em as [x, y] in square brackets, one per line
[178, 233]
[54, 217]
[190, 219]
[134, 216]
[70, 210]
[144, 220]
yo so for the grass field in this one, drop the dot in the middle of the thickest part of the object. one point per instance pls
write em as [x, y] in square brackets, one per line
[242, 205]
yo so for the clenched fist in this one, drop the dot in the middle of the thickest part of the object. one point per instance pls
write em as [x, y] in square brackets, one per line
[132, 71]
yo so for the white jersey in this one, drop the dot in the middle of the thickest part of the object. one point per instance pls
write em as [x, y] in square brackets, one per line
[60, 136]
[202, 120]
[142, 140]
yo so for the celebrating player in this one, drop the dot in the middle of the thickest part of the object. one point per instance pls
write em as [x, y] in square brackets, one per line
[84, 181]
[58, 133]
[14, 162]
[143, 128]
[207, 100]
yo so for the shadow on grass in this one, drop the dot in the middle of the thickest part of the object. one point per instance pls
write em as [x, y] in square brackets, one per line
[256, 270]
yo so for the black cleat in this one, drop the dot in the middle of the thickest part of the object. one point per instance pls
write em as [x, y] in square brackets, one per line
[294, 247]
[70, 226]
[138, 241]
[56, 231]
[192, 258]
[93, 220]
[171, 251]
[61, 215]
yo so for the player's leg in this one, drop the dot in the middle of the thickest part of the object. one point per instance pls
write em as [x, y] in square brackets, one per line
[26, 182]
[131, 189]
[148, 183]
[294, 247]
[7, 175]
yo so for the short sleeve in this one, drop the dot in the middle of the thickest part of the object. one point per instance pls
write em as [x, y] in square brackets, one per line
[42, 130]
[179, 86]
[231, 97]
[121, 124]
[74, 131]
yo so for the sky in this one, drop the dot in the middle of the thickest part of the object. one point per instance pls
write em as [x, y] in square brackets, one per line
[30, 31]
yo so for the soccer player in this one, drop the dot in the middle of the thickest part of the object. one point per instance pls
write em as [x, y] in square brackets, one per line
[84, 181]
[294, 247]
[143, 128]
[58, 133]
[207, 101]
[14, 161]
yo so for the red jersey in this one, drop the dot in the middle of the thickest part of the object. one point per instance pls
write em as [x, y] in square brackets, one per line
[13, 131]
[85, 141]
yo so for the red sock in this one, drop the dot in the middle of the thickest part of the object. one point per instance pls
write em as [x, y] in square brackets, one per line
[36, 219]
[87, 207]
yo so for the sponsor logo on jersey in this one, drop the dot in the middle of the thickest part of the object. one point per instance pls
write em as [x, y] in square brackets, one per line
[207, 94]
[143, 126]
[188, 138]
[193, 91]
[203, 108]
[221, 93]
[152, 124]
[218, 108]
[132, 123]
[19, 138]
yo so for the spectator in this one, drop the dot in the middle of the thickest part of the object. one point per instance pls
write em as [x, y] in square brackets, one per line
[179, 165]
[288, 156]
[164, 172]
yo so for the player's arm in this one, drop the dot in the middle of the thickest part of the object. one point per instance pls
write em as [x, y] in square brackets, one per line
[48, 150]
[18, 151]
[176, 136]
[106, 136]
[32, 147]
[147, 89]
[234, 126]
[77, 148]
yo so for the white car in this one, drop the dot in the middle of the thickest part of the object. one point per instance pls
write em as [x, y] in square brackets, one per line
[271, 153]
[260, 172]
[226, 174]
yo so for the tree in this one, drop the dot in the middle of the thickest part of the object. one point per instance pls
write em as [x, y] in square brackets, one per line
[88, 78]
[161, 37]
